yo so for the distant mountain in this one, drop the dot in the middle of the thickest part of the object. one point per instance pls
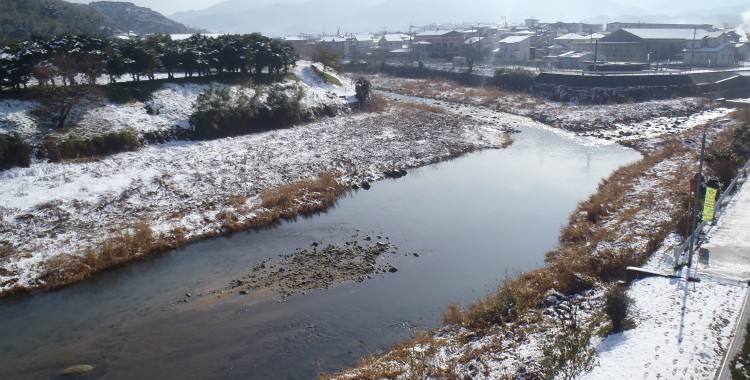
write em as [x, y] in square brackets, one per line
[20, 19]
[126, 16]
[348, 16]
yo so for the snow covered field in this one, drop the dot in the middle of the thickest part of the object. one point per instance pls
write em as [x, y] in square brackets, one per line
[168, 107]
[633, 123]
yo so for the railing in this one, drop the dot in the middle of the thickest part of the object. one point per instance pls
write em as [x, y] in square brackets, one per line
[679, 252]
[648, 72]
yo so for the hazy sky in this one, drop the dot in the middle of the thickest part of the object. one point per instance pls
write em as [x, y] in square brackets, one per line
[168, 7]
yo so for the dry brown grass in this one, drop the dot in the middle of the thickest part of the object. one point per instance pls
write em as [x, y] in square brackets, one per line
[304, 197]
[376, 103]
[137, 241]
[423, 107]
[453, 315]
[741, 115]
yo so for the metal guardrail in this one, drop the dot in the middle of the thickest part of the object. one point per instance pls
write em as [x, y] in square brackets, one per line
[665, 72]
[721, 204]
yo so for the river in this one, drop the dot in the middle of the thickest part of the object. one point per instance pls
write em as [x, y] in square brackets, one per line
[471, 222]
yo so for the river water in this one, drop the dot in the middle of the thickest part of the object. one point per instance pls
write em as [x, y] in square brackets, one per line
[471, 221]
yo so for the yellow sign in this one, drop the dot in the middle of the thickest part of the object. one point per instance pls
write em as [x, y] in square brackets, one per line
[708, 206]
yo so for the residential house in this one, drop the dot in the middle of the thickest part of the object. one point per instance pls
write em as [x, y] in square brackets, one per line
[513, 49]
[393, 41]
[743, 50]
[643, 45]
[714, 49]
[297, 42]
[365, 41]
[342, 46]
[445, 43]
[572, 60]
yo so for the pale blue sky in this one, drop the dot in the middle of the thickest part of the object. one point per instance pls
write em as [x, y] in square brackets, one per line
[168, 7]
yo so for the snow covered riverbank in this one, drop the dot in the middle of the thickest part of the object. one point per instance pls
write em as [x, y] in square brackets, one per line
[51, 210]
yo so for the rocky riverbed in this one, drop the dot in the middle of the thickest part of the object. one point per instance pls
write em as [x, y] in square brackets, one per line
[319, 267]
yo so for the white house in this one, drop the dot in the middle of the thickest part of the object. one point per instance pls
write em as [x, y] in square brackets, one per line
[513, 48]
[393, 41]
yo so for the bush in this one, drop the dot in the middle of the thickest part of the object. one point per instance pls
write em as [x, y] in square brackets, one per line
[567, 354]
[14, 152]
[513, 79]
[362, 90]
[729, 152]
[616, 306]
[221, 112]
[328, 78]
[55, 149]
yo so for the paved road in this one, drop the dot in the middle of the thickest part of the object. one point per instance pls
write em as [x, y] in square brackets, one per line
[726, 256]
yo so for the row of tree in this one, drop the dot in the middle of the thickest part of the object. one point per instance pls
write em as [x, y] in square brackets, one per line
[74, 59]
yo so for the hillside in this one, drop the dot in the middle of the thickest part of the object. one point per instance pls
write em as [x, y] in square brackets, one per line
[20, 19]
[126, 16]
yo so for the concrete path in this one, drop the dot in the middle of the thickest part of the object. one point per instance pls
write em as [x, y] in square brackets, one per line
[726, 256]
[727, 252]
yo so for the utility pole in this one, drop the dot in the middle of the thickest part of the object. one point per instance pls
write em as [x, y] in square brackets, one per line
[696, 195]
[693, 48]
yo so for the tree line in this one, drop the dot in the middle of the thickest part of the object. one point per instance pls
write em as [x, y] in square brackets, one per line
[69, 60]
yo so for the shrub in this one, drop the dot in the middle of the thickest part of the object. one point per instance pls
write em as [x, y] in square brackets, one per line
[616, 305]
[327, 58]
[729, 151]
[57, 149]
[513, 79]
[568, 354]
[14, 152]
[362, 90]
[328, 78]
[221, 112]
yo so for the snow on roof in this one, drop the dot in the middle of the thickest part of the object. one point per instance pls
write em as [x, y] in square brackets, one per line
[394, 37]
[571, 36]
[434, 33]
[333, 39]
[707, 49]
[667, 34]
[364, 37]
[293, 38]
[514, 39]
[574, 54]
